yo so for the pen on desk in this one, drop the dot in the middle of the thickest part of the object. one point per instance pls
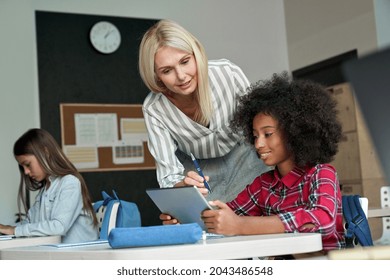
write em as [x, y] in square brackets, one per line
[206, 184]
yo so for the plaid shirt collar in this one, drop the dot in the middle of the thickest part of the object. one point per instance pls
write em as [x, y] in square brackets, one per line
[291, 179]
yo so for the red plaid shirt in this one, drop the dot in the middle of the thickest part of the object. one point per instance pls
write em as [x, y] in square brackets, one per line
[310, 195]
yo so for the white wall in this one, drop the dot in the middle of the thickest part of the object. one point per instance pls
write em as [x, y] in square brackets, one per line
[382, 19]
[317, 29]
[18, 92]
[249, 32]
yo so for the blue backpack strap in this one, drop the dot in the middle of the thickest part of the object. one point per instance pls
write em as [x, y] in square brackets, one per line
[115, 195]
[349, 234]
[357, 224]
[362, 228]
[105, 195]
[99, 203]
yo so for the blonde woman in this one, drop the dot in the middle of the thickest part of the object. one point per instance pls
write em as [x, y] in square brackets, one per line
[188, 110]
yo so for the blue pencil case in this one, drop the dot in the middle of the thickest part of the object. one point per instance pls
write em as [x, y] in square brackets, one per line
[154, 235]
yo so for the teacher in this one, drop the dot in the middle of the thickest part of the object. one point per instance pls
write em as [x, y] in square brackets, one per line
[188, 110]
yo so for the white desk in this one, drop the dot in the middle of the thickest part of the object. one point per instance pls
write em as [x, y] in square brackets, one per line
[378, 212]
[237, 247]
[361, 253]
[29, 241]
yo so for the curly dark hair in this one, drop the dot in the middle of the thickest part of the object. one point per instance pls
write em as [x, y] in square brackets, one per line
[306, 114]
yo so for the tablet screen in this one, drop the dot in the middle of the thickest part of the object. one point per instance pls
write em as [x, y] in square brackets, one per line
[184, 203]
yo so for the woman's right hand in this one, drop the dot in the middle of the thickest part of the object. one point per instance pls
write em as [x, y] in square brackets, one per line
[194, 179]
[168, 220]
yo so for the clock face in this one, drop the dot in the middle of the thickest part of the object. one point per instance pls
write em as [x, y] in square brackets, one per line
[105, 37]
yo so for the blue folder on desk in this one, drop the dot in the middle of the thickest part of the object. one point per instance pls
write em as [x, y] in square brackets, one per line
[154, 235]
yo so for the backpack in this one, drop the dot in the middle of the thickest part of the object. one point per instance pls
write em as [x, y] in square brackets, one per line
[356, 224]
[113, 212]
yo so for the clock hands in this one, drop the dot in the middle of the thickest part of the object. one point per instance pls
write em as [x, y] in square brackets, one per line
[108, 33]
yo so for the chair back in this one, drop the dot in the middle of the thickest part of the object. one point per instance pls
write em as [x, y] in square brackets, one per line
[385, 203]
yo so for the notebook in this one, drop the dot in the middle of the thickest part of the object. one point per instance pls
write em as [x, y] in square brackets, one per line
[78, 244]
[6, 237]
[184, 203]
[370, 79]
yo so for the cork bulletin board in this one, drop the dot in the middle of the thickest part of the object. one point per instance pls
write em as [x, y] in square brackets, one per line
[105, 137]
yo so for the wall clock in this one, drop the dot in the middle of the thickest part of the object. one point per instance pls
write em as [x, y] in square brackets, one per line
[105, 37]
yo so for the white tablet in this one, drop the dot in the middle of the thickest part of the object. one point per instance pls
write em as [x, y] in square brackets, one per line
[184, 203]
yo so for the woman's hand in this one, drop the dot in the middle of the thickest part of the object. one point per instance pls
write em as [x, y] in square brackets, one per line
[194, 179]
[10, 230]
[168, 220]
[222, 221]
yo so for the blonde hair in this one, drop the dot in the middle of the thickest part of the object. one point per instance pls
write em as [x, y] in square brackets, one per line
[169, 33]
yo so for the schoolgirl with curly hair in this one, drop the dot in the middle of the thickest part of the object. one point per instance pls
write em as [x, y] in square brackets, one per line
[294, 127]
